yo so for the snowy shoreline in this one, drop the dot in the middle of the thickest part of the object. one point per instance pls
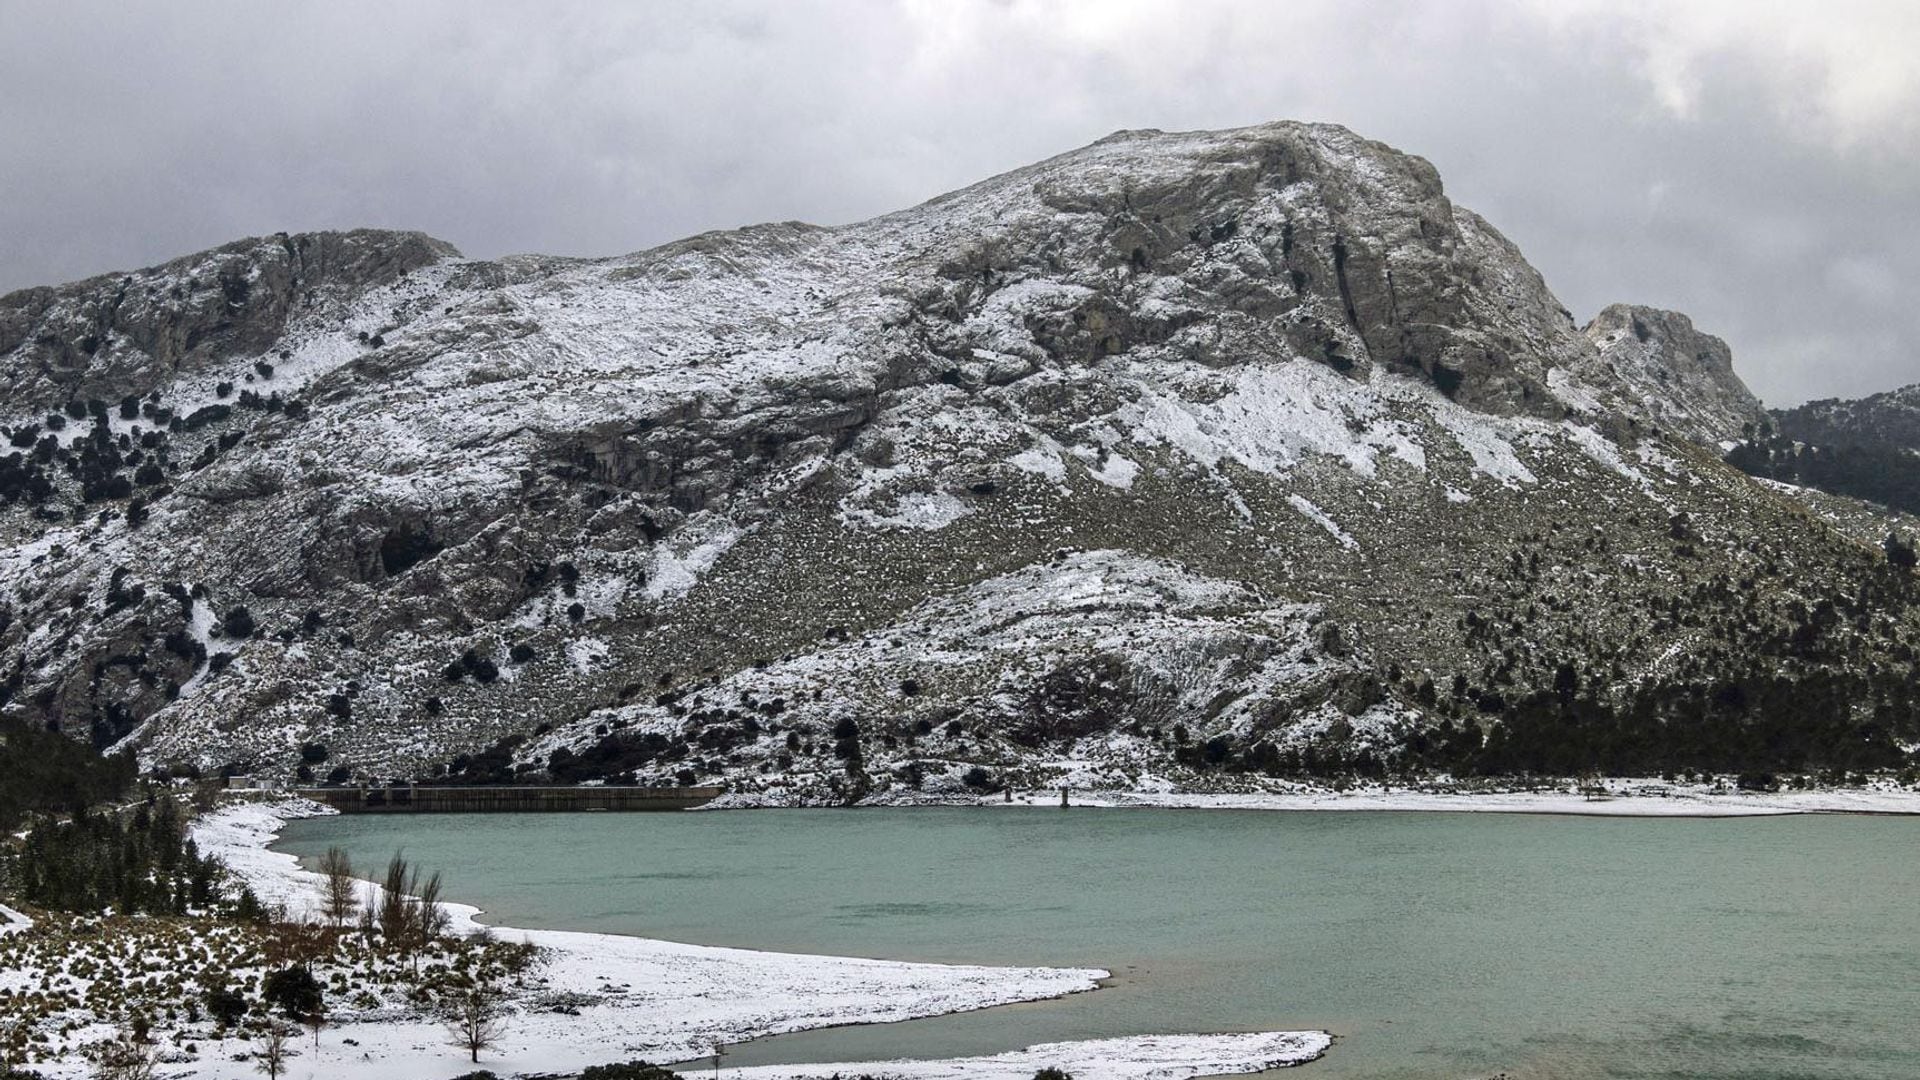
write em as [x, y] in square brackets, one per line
[1620, 799]
[667, 1001]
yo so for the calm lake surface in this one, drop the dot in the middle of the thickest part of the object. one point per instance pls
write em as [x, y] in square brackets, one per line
[1434, 945]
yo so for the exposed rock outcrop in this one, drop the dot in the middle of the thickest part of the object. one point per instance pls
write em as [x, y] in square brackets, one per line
[127, 334]
[1670, 375]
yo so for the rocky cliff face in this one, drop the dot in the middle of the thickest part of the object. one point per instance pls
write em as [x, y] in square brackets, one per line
[1671, 376]
[1182, 458]
[122, 334]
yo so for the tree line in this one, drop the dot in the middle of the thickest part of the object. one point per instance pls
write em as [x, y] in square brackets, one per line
[48, 773]
[137, 862]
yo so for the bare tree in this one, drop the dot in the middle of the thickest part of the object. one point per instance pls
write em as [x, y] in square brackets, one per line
[271, 1054]
[126, 1057]
[316, 1019]
[369, 923]
[339, 898]
[411, 916]
[395, 919]
[477, 1019]
[430, 919]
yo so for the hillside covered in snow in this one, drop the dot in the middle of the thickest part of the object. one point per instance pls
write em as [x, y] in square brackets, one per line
[1193, 461]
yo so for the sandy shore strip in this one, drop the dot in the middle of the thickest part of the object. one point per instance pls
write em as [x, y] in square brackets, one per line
[665, 1001]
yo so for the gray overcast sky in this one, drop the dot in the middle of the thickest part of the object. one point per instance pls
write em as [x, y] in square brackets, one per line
[1755, 165]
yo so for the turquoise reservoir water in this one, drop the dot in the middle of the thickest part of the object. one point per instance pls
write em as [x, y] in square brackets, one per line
[1435, 945]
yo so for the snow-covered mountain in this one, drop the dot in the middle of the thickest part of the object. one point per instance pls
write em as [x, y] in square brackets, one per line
[1890, 420]
[1181, 458]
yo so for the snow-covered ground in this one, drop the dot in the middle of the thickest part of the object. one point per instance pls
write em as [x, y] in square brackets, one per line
[12, 922]
[665, 1001]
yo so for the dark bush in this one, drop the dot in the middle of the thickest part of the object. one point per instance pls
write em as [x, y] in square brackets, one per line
[521, 653]
[1900, 554]
[238, 623]
[313, 753]
[482, 669]
[1217, 749]
[631, 1070]
[294, 991]
[105, 488]
[226, 1006]
[979, 779]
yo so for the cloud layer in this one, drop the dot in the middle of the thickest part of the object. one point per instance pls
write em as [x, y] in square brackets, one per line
[1755, 165]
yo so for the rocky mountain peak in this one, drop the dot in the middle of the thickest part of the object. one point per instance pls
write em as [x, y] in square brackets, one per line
[124, 334]
[1292, 239]
[1670, 375]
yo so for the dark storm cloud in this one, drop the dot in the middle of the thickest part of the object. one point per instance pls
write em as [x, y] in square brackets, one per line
[1699, 157]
